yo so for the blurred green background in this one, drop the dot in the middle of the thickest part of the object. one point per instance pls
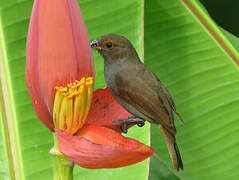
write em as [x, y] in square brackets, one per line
[225, 13]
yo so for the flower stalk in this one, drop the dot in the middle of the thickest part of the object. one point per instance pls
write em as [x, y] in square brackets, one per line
[62, 166]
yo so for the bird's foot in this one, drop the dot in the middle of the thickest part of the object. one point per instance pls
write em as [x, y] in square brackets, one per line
[125, 122]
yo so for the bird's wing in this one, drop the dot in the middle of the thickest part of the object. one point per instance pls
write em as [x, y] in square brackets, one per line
[170, 100]
[140, 90]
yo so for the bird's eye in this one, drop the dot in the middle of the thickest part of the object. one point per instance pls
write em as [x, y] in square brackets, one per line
[109, 44]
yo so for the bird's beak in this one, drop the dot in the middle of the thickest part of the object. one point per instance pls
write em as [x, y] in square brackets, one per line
[95, 45]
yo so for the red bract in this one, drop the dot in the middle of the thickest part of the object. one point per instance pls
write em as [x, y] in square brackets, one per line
[97, 147]
[58, 52]
[105, 109]
[60, 78]
[98, 144]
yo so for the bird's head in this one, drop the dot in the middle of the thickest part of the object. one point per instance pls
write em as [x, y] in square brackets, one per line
[113, 47]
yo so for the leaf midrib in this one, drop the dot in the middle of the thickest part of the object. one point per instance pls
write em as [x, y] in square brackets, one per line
[213, 29]
[10, 130]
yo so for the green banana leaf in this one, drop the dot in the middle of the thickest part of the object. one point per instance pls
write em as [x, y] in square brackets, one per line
[24, 141]
[199, 66]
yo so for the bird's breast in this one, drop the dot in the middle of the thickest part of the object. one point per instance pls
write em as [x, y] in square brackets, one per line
[111, 70]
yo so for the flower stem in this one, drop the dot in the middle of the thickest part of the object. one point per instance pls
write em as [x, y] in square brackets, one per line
[62, 166]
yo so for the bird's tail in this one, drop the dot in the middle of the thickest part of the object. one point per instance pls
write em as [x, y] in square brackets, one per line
[173, 149]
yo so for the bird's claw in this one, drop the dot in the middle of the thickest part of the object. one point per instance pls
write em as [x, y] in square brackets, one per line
[140, 124]
[126, 122]
[124, 128]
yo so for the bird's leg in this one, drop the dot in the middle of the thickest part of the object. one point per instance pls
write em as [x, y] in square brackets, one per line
[126, 122]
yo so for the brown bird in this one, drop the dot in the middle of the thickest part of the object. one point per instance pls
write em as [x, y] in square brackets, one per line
[138, 89]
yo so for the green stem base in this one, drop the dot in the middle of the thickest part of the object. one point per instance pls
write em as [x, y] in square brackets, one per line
[62, 166]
